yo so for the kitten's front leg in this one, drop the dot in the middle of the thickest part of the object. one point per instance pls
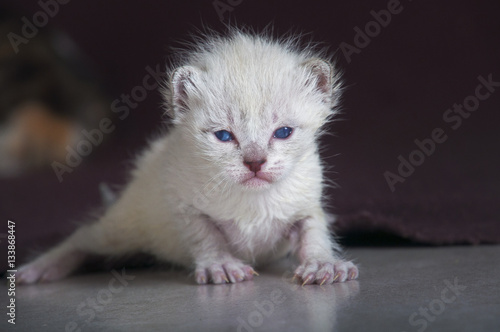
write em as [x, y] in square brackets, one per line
[213, 261]
[318, 262]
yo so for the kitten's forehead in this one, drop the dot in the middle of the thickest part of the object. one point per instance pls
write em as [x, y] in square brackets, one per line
[255, 85]
[252, 71]
[255, 112]
[254, 95]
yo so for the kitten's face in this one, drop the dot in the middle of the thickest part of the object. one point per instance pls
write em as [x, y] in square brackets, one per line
[253, 110]
[253, 149]
[253, 133]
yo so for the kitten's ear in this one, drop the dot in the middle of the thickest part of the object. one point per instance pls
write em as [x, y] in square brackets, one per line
[321, 75]
[183, 85]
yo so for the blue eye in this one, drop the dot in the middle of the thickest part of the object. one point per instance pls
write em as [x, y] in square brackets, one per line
[283, 132]
[224, 135]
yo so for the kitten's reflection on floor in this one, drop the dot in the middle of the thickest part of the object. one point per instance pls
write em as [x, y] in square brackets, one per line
[270, 299]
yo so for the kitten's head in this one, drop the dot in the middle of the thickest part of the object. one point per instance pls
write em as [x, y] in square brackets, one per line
[253, 107]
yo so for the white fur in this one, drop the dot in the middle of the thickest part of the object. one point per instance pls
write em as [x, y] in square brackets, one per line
[187, 201]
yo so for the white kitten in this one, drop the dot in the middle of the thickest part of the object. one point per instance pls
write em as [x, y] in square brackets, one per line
[237, 181]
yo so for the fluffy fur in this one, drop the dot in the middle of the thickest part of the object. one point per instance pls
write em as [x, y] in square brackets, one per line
[194, 200]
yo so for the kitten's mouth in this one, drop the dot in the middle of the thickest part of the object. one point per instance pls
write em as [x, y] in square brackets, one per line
[258, 179]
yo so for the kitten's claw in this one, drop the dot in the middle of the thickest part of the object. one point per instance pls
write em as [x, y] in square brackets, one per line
[238, 277]
[201, 277]
[306, 281]
[323, 280]
[322, 273]
[221, 273]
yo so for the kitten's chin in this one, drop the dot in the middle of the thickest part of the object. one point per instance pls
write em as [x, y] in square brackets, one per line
[256, 183]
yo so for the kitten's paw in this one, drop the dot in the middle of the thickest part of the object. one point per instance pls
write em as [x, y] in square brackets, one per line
[48, 268]
[314, 271]
[221, 273]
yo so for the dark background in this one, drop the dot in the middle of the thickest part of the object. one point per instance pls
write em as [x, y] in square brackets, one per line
[398, 87]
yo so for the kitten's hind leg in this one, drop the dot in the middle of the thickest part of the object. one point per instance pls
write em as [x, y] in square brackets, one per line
[53, 265]
[68, 256]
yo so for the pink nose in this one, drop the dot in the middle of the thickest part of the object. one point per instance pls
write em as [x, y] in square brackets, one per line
[254, 166]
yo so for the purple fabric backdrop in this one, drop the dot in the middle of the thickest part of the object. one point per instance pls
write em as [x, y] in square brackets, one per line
[402, 77]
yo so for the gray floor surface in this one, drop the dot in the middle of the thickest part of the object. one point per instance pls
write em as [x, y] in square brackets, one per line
[400, 289]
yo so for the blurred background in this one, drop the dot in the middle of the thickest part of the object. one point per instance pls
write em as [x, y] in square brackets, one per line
[74, 71]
